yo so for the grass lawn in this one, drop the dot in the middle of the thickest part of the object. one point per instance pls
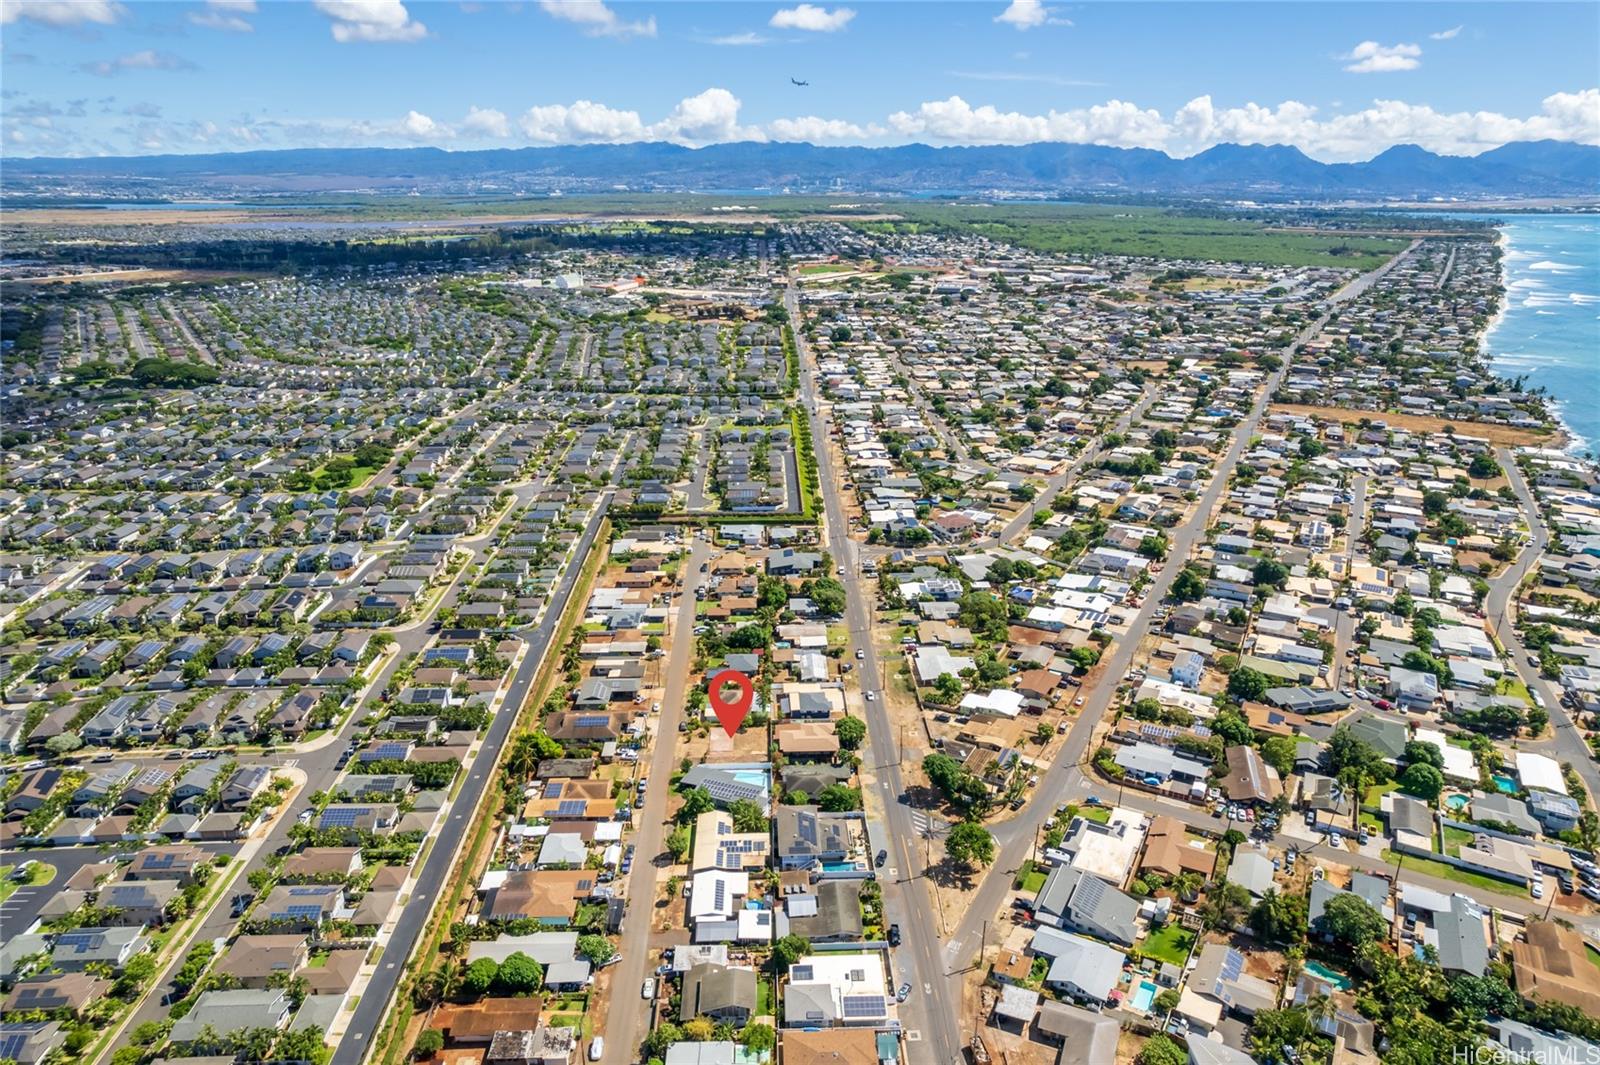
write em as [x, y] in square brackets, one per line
[1593, 956]
[1171, 944]
[1375, 794]
[1510, 685]
[1096, 813]
[1455, 839]
[1450, 872]
[763, 996]
[41, 874]
[824, 268]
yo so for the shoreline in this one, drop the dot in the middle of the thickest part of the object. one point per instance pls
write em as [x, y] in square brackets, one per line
[1566, 438]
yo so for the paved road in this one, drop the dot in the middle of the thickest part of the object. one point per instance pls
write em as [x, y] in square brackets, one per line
[1053, 487]
[622, 1025]
[1063, 779]
[375, 1000]
[928, 1017]
[1500, 605]
[1344, 621]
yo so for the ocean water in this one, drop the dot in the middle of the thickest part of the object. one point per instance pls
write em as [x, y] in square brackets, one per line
[1549, 331]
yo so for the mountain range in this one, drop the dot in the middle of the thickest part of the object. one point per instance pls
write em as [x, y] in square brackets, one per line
[1522, 170]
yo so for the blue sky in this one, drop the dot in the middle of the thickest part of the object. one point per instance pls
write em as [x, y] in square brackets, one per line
[1340, 81]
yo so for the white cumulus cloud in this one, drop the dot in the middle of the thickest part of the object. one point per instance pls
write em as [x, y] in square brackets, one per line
[371, 20]
[419, 127]
[61, 12]
[1028, 14]
[1446, 35]
[815, 130]
[1370, 57]
[1115, 122]
[584, 122]
[225, 15]
[597, 19]
[812, 19]
[486, 122]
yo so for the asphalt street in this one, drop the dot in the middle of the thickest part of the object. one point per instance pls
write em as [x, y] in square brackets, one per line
[622, 1024]
[375, 1000]
[928, 1014]
[1063, 779]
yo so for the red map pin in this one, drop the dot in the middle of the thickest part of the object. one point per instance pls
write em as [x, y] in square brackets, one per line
[731, 712]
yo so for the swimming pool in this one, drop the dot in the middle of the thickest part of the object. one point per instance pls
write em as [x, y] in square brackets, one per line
[1317, 969]
[1142, 996]
[1457, 802]
[1505, 783]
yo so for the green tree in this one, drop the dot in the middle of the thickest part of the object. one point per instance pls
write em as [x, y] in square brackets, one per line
[789, 949]
[429, 1043]
[1351, 921]
[1279, 752]
[969, 844]
[759, 1038]
[1270, 573]
[480, 977]
[1246, 684]
[747, 815]
[597, 948]
[838, 798]
[695, 802]
[1419, 752]
[1423, 781]
[1188, 586]
[519, 975]
[1279, 918]
[851, 731]
[678, 841]
[1161, 1050]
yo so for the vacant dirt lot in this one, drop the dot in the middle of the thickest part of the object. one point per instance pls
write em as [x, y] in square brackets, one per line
[1419, 423]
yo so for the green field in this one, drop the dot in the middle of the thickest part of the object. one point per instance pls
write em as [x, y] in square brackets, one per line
[1069, 229]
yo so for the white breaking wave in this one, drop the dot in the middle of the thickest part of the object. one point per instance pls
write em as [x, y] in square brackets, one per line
[1554, 267]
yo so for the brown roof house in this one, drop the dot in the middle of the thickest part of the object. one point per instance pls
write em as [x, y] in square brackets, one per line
[1250, 778]
[1551, 965]
[1168, 850]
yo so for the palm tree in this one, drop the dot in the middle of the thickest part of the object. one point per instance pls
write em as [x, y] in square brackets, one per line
[1353, 779]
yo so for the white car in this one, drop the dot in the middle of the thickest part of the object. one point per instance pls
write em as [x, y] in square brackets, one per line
[648, 991]
[1538, 888]
[597, 1048]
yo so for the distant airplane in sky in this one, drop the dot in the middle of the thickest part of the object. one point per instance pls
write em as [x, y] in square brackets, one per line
[802, 84]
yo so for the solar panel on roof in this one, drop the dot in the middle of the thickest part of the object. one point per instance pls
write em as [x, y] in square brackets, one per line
[800, 973]
[863, 1005]
[12, 1044]
[593, 721]
[1232, 965]
[553, 789]
[571, 807]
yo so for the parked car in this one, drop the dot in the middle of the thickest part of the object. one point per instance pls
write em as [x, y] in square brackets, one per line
[903, 993]
[883, 856]
[894, 935]
[597, 1048]
[648, 991]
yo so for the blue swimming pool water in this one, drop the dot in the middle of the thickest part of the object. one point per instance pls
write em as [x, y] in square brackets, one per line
[1316, 968]
[1143, 995]
[1457, 802]
[756, 777]
[1505, 783]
